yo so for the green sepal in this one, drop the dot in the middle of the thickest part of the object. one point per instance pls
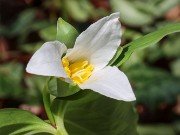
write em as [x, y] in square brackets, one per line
[145, 41]
[78, 95]
[118, 52]
[59, 88]
[66, 33]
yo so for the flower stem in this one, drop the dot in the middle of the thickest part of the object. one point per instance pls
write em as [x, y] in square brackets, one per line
[47, 104]
[60, 126]
[59, 107]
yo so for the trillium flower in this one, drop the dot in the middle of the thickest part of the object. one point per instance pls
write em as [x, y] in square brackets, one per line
[86, 64]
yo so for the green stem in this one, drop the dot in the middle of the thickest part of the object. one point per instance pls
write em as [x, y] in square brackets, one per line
[60, 126]
[58, 108]
[47, 104]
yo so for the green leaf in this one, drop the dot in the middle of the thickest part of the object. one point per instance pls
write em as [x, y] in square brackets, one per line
[95, 114]
[145, 41]
[15, 122]
[66, 33]
[60, 88]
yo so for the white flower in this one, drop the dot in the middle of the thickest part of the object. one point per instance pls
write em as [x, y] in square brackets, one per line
[86, 63]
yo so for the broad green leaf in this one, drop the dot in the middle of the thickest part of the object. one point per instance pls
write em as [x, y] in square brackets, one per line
[60, 88]
[16, 122]
[145, 41]
[66, 33]
[95, 114]
[129, 14]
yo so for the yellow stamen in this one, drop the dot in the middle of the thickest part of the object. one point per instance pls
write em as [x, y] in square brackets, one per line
[79, 71]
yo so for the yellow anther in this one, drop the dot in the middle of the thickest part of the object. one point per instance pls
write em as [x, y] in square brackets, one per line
[65, 63]
[79, 71]
[67, 71]
[89, 67]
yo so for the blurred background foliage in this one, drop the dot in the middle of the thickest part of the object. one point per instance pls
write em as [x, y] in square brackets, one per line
[154, 72]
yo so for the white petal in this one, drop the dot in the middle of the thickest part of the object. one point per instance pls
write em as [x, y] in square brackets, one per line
[110, 82]
[99, 42]
[47, 60]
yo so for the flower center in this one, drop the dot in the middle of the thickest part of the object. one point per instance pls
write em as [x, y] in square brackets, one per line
[79, 71]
